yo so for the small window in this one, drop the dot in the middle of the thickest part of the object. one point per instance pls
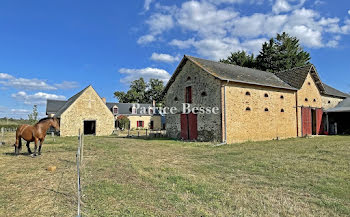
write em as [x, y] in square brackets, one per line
[204, 93]
[329, 102]
[247, 109]
[140, 124]
[306, 99]
[176, 99]
[308, 83]
[282, 110]
[247, 93]
[282, 97]
[188, 94]
[188, 78]
[314, 100]
[266, 109]
[266, 95]
[115, 110]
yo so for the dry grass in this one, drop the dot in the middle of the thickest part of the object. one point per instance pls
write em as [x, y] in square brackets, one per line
[135, 177]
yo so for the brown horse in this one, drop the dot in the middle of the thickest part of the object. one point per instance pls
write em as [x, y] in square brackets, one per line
[35, 133]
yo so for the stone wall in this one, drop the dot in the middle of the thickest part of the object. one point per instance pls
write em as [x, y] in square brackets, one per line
[330, 102]
[88, 106]
[256, 113]
[157, 125]
[310, 92]
[205, 92]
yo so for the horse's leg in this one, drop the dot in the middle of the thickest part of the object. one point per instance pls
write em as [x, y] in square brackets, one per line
[36, 146]
[41, 143]
[18, 145]
[28, 147]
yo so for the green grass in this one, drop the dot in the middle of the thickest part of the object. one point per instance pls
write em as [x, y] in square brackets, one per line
[136, 177]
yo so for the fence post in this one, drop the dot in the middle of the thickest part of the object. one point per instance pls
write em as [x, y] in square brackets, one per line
[2, 136]
[78, 174]
[82, 148]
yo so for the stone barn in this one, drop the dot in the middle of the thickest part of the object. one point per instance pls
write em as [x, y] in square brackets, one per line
[252, 104]
[86, 111]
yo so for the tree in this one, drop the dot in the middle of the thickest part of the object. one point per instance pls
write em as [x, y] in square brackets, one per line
[34, 115]
[277, 54]
[142, 92]
[154, 91]
[240, 58]
[123, 122]
[281, 53]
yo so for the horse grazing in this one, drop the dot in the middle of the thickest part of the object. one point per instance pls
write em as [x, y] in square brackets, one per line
[35, 133]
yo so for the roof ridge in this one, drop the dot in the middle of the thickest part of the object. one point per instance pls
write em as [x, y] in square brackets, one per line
[298, 67]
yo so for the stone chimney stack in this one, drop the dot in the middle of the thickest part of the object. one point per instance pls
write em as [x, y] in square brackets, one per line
[104, 100]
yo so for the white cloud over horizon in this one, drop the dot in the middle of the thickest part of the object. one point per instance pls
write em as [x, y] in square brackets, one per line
[38, 98]
[8, 80]
[161, 57]
[216, 31]
[146, 73]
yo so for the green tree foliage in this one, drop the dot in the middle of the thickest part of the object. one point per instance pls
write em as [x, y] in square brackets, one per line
[123, 122]
[278, 54]
[34, 115]
[240, 58]
[142, 92]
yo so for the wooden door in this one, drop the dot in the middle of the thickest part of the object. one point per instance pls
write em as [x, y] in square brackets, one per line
[306, 121]
[319, 123]
[189, 129]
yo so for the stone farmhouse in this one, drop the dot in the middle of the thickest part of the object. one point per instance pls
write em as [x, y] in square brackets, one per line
[253, 105]
[90, 113]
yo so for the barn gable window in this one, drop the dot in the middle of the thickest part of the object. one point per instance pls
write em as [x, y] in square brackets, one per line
[266, 95]
[140, 123]
[282, 110]
[282, 97]
[204, 93]
[115, 110]
[329, 102]
[176, 99]
[308, 83]
[266, 109]
[248, 109]
[188, 78]
[188, 95]
[306, 99]
[247, 93]
[314, 100]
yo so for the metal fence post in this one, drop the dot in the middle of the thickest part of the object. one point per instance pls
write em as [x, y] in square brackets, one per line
[2, 136]
[78, 174]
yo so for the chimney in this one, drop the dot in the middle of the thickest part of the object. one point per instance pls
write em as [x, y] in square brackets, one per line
[153, 103]
[104, 100]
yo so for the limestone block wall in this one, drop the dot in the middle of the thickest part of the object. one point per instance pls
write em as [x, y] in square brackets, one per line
[330, 102]
[308, 95]
[255, 113]
[88, 106]
[205, 92]
[157, 125]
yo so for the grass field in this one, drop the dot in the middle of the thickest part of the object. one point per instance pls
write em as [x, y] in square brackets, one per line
[135, 177]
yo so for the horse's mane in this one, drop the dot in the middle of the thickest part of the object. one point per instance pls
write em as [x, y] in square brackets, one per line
[44, 119]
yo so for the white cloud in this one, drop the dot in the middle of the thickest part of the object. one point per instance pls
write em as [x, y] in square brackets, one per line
[164, 57]
[216, 31]
[285, 5]
[35, 99]
[146, 73]
[145, 39]
[5, 76]
[147, 4]
[20, 111]
[349, 12]
[8, 80]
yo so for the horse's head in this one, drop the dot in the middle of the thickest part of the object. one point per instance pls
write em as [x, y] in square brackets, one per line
[55, 123]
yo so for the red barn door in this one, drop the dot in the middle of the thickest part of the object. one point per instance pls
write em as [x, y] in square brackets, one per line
[189, 126]
[306, 121]
[184, 126]
[319, 124]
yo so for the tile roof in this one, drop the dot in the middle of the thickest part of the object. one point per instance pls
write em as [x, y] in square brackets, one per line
[343, 106]
[334, 92]
[234, 73]
[125, 108]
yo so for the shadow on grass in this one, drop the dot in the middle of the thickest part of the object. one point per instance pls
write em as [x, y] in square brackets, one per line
[13, 154]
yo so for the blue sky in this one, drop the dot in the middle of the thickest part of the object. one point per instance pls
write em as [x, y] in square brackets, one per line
[53, 49]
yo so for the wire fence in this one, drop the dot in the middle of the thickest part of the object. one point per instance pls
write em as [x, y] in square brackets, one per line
[140, 133]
